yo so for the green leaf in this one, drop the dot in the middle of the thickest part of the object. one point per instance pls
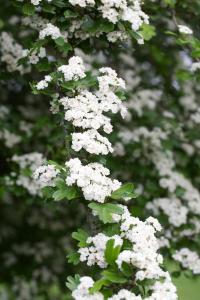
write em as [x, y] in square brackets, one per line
[183, 75]
[28, 9]
[48, 8]
[126, 191]
[60, 183]
[105, 26]
[114, 276]
[127, 269]
[38, 44]
[88, 24]
[135, 35]
[70, 85]
[70, 14]
[94, 26]
[73, 258]
[47, 192]
[73, 282]
[43, 65]
[59, 167]
[59, 41]
[64, 48]
[170, 33]
[170, 2]
[111, 252]
[80, 236]
[98, 285]
[121, 94]
[105, 211]
[68, 192]
[59, 3]
[1, 24]
[148, 31]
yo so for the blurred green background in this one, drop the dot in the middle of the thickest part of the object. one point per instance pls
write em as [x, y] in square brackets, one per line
[188, 289]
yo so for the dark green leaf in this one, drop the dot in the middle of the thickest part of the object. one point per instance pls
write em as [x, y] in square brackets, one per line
[28, 9]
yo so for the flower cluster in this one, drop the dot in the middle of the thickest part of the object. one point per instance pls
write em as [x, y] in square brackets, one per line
[35, 56]
[184, 29]
[92, 179]
[30, 160]
[86, 110]
[188, 259]
[143, 254]
[37, 2]
[92, 142]
[11, 53]
[46, 175]
[74, 70]
[172, 208]
[82, 3]
[160, 290]
[120, 10]
[82, 291]
[9, 138]
[50, 31]
[41, 85]
[28, 163]
[94, 253]
[144, 99]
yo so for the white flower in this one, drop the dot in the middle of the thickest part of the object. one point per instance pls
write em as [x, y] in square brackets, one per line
[184, 29]
[51, 31]
[35, 2]
[74, 70]
[125, 295]
[113, 36]
[82, 292]
[82, 3]
[41, 85]
[195, 66]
